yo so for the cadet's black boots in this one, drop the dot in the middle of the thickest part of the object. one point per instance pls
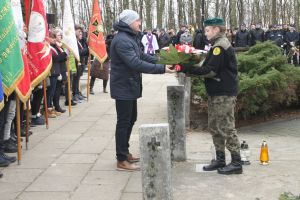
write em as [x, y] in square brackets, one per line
[235, 167]
[215, 164]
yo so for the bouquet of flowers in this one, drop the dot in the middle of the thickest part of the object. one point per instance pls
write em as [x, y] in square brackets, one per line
[181, 54]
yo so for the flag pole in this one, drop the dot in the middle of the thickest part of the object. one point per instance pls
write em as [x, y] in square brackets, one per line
[18, 128]
[69, 87]
[88, 79]
[45, 103]
[27, 124]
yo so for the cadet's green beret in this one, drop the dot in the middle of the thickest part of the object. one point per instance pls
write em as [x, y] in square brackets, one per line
[214, 22]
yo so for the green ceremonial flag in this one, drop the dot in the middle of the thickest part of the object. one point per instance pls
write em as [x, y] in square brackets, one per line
[11, 62]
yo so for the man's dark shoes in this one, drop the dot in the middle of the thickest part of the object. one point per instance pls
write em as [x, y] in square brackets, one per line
[59, 109]
[72, 103]
[4, 162]
[10, 159]
[37, 121]
[216, 164]
[92, 91]
[1, 175]
[231, 168]
[235, 167]
[81, 95]
[10, 146]
[23, 133]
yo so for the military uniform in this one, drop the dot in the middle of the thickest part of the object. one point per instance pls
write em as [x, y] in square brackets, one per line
[219, 71]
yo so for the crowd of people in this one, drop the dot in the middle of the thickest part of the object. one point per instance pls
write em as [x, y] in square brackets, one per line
[57, 86]
[285, 36]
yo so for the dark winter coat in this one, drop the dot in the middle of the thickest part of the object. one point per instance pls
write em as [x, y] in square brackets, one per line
[163, 40]
[277, 37]
[242, 39]
[83, 51]
[219, 69]
[128, 63]
[257, 35]
[59, 58]
[292, 37]
[200, 40]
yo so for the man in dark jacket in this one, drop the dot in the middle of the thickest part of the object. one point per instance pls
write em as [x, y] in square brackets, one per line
[163, 39]
[242, 38]
[180, 32]
[200, 40]
[292, 38]
[276, 36]
[83, 53]
[257, 35]
[127, 65]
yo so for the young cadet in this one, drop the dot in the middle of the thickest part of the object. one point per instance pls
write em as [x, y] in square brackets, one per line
[220, 73]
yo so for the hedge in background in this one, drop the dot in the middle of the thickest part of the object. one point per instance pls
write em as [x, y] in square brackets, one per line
[266, 81]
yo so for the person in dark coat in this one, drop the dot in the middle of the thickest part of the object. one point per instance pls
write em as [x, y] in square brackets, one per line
[128, 63]
[257, 35]
[173, 37]
[292, 38]
[59, 58]
[200, 40]
[163, 39]
[80, 66]
[242, 37]
[180, 32]
[276, 36]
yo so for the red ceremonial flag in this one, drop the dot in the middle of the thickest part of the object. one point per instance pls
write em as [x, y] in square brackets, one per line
[39, 54]
[24, 86]
[96, 39]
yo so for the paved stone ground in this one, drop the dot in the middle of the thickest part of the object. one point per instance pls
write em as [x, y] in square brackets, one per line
[74, 158]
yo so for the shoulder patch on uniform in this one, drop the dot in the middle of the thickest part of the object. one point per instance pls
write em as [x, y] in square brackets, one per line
[217, 51]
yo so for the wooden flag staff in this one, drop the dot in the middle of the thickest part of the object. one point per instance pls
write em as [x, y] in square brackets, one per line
[69, 87]
[18, 129]
[88, 78]
[27, 124]
[45, 103]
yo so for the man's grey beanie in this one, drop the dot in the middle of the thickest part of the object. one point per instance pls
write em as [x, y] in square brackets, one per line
[128, 16]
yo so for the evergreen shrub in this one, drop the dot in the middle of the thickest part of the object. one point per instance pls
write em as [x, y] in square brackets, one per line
[266, 81]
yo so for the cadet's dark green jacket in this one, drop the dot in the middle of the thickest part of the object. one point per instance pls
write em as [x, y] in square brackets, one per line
[219, 69]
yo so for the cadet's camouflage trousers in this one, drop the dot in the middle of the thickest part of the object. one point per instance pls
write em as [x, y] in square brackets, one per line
[221, 123]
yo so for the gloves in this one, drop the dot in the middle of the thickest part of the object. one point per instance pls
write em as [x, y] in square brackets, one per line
[59, 77]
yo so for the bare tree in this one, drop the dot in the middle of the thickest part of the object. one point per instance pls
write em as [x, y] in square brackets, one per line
[241, 10]
[160, 12]
[171, 19]
[274, 12]
[148, 4]
[232, 13]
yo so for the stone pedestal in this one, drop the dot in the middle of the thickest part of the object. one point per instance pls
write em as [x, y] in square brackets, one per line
[187, 90]
[186, 81]
[176, 119]
[155, 161]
